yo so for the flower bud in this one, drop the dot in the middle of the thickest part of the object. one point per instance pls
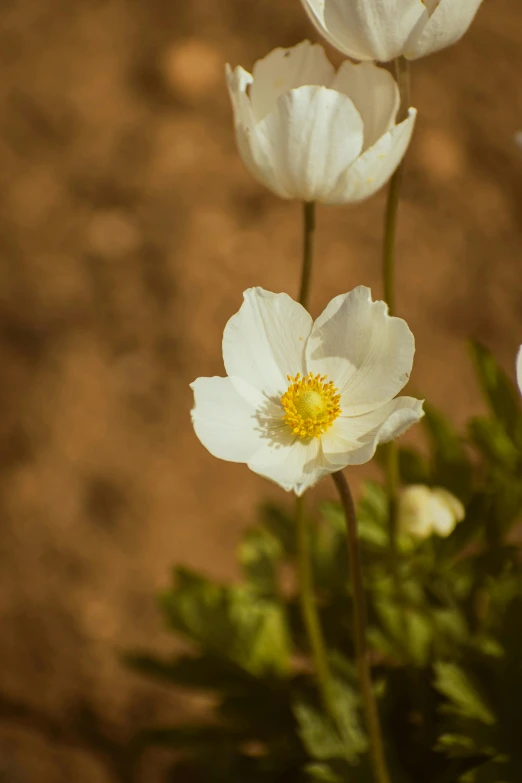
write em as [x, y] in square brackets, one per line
[309, 133]
[424, 510]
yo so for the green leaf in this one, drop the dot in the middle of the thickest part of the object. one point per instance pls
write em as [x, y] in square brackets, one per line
[323, 773]
[231, 621]
[466, 532]
[451, 466]
[494, 443]
[500, 392]
[413, 468]
[281, 524]
[260, 553]
[463, 694]
[321, 738]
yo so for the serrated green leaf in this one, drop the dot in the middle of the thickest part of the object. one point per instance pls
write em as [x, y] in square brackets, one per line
[462, 692]
[232, 621]
[321, 738]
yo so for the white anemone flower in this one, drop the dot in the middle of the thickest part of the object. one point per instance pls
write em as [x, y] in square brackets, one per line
[385, 29]
[303, 399]
[519, 368]
[424, 510]
[307, 132]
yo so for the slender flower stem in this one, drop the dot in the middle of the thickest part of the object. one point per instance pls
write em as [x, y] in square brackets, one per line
[390, 225]
[304, 568]
[373, 726]
[310, 613]
[388, 273]
[308, 251]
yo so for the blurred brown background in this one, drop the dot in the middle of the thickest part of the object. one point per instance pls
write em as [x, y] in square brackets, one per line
[128, 230]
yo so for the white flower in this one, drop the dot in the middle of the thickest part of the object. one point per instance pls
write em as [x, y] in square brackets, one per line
[307, 132]
[305, 399]
[385, 29]
[519, 368]
[423, 511]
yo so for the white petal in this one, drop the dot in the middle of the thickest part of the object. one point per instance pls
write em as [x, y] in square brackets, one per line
[302, 148]
[375, 166]
[284, 70]
[265, 341]
[519, 368]
[295, 466]
[353, 440]
[375, 94]
[364, 351]
[372, 29]
[225, 423]
[337, 34]
[447, 24]
[238, 81]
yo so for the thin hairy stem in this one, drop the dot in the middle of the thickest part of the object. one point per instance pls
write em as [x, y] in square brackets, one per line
[304, 567]
[310, 613]
[373, 727]
[388, 272]
[308, 251]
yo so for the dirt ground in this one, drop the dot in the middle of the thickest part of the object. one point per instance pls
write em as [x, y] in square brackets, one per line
[128, 231]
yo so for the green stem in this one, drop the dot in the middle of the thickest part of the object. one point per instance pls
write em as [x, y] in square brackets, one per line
[308, 251]
[373, 727]
[388, 273]
[392, 206]
[304, 568]
[310, 613]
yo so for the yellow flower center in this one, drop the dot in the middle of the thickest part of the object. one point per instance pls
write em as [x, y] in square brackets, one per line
[311, 405]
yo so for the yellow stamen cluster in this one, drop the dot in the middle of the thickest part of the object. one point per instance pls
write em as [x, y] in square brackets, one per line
[311, 405]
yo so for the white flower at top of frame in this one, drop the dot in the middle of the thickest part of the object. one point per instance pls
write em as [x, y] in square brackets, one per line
[385, 29]
[519, 368]
[425, 510]
[303, 399]
[307, 132]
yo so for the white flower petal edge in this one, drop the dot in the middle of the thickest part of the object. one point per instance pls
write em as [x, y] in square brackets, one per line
[375, 94]
[383, 30]
[224, 421]
[519, 368]
[367, 351]
[375, 166]
[266, 340]
[447, 24]
[367, 29]
[286, 69]
[353, 441]
[304, 400]
[295, 468]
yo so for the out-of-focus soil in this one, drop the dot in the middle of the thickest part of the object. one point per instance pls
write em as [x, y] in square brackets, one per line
[128, 231]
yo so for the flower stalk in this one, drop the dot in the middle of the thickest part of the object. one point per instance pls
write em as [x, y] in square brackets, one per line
[402, 72]
[310, 613]
[308, 252]
[373, 727]
[304, 564]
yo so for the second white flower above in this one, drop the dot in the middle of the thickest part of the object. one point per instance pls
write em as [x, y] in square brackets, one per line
[305, 399]
[307, 132]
